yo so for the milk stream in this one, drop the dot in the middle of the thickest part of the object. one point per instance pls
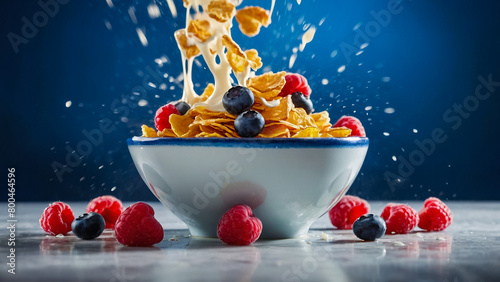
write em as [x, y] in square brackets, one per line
[221, 71]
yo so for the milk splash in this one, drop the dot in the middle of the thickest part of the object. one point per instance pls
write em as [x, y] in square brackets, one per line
[211, 49]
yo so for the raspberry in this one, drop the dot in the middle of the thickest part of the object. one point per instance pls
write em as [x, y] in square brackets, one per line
[433, 200]
[162, 116]
[107, 206]
[435, 215]
[353, 124]
[238, 226]
[399, 218]
[295, 83]
[137, 227]
[57, 218]
[347, 210]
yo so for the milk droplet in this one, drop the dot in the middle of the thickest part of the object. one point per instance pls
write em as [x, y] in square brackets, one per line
[68, 104]
[110, 3]
[154, 11]
[307, 37]
[341, 69]
[389, 110]
[172, 8]
[142, 37]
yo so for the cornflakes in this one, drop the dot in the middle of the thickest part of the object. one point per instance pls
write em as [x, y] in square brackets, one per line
[251, 19]
[206, 118]
[237, 59]
[308, 132]
[268, 85]
[191, 50]
[200, 29]
[148, 131]
[253, 59]
[220, 10]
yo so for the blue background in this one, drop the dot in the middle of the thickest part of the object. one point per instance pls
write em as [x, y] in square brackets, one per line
[420, 63]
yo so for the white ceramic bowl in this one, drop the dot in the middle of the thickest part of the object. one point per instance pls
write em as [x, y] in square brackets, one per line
[288, 182]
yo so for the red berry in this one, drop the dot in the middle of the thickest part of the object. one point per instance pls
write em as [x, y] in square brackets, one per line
[399, 218]
[57, 218]
[432, 200]
[162, 116]
[238, 226]
[295, 83]
[137, 227]
[353, 124]
[435, 215]
[108, 206]
[347, 210]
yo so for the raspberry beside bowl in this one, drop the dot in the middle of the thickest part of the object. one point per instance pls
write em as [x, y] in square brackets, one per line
[288, 182]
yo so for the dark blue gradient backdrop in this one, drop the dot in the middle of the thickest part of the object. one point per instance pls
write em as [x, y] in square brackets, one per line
[422, 76]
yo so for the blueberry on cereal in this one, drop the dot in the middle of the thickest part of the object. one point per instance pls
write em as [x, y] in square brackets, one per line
[249, 124]
[182, 107]
[237, 100]
[301, 101]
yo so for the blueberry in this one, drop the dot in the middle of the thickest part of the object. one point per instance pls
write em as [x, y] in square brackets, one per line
[182, 107]
[301, 101]
[88, 226]
[249, 124]
[237, 100]
[369, 227]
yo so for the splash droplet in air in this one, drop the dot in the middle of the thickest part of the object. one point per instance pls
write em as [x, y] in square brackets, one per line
[307, 37]
[110, 3]
[341, 69]
[68, 104]
[131, 13]
[142, 37]
[172, 8]
[389, 110]
[154, 11]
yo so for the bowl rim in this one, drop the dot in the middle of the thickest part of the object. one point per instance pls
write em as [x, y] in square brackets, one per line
[320, 142]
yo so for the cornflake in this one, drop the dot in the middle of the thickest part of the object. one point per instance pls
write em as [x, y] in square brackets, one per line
[251, 19]
[200, 29]
[237, 59]
[220, 10]
[191, 50]
[253, 59]
[148, 131]
[268, 85]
